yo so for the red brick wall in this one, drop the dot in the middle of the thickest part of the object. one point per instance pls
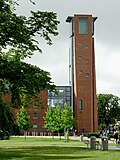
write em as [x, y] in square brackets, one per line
[43, 96]
[84, 87]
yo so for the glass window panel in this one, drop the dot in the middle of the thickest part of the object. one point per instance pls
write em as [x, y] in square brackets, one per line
[80, 104]
[61, 92]
[86, 47]
[68, 102]
[67, 89]
[80, 57]
[87, 75]
[36, 104]
[80, 71]
[87, 60]
[67, 93]
[34, 125]
[83, 25]
[67, 98]
[35, 115]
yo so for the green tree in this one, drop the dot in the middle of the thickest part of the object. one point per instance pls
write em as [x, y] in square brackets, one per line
[53, 119]
[23, 79]
[58, 119]
[6, 118]
[19, 32]
[68, 120]
[108, 109]
[23, 120]
[50, 119]
[17, 41]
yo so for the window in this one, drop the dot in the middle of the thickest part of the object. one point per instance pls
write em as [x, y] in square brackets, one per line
[87, 75]
[87, 60]
[79, 43]
[67, 94]
[54, 102]
[49, 102]
[34, 125]
[35, 115]
[61, 92]
[80, 57]
[80, 71]
[67, 89]
[67, 98]
[51, 94]
[80, 104]
[86, 46]
[83, 25]
[36, 104]
[68, 102]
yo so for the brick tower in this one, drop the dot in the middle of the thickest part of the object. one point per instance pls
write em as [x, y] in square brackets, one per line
[82, 72]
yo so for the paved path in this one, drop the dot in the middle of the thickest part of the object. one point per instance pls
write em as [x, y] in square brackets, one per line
[114, 148]
[109, 147]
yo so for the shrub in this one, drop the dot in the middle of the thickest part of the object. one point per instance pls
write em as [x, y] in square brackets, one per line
[110, 136]
[1, 133]
[96, 134]
[4, 135]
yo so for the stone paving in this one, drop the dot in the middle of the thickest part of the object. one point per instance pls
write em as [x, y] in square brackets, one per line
[113, 147]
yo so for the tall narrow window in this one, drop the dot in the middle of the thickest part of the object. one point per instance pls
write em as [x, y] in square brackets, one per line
[83, 25]
[35, 104]
[35, 115]
[80, 104]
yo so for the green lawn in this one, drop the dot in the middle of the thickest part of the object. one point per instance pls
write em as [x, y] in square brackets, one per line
[41, 149]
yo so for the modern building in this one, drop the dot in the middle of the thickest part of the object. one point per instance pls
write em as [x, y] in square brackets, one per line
[62, 96]
[82, 71]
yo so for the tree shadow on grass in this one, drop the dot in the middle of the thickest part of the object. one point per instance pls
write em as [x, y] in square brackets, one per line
[63, 157]
[43, 153]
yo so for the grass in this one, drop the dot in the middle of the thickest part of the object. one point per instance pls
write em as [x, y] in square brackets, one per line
[44, 148]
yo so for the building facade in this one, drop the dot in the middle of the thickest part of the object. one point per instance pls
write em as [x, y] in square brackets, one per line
[82, 72]
[36, 111]
[63, 96]
[81, 92]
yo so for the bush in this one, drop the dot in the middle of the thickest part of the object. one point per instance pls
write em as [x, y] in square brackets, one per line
[96, 134]
[4, 135]
[110, 136]
[1, 133]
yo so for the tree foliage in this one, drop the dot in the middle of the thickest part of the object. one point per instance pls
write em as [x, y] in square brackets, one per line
[23, 78]
[50, 119]
[67, 116]
[17, 41]
[58, 119]
[108, 109]
[6, 118]
[18, 35]
[19, 32]
[59, 126]
[23, 119]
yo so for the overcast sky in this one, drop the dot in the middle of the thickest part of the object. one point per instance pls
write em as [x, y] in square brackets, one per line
[107, 40]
